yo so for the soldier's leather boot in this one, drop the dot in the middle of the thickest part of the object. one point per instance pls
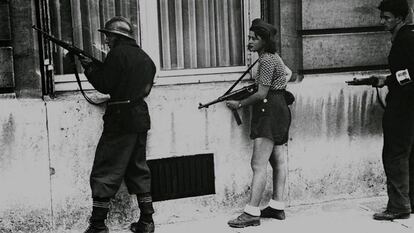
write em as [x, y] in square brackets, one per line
[100, 211]
[142, 227]
[389, 216]
[145, 224]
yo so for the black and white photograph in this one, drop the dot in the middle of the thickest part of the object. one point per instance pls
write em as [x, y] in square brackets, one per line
[206, 116]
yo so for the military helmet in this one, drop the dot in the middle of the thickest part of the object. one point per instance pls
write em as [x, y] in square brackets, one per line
[120, 26]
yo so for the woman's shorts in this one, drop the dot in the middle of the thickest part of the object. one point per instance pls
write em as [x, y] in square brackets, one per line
[271, 118]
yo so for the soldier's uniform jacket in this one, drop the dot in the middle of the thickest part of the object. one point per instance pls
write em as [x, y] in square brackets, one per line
[126, 74]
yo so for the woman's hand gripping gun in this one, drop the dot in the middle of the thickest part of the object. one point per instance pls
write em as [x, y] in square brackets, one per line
[239, 94]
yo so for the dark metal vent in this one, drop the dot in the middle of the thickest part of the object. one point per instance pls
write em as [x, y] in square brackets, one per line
[180, 177]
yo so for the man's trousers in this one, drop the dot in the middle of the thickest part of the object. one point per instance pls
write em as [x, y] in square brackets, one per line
[120, 156]
[398, 154]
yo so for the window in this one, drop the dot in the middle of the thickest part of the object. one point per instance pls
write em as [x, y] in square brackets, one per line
[200, 33]
[78, 21]
[189, 40]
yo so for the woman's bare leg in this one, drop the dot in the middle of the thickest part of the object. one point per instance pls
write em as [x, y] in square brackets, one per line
[261, 153]
[278, 161]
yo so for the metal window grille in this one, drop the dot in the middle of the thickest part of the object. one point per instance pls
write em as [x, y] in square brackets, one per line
[180, 177]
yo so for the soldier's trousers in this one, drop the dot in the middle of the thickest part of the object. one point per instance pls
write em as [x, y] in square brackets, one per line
[120, 156]
[398, 156]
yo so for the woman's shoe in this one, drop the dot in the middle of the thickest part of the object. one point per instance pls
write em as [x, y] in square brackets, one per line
[269, 212]
[244, 220]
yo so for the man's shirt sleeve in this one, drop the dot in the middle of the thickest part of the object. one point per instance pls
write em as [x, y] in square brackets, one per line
[409, 44]
[104, 77]
[406, 62]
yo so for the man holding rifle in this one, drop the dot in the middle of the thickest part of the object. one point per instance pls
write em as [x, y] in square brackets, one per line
[127, 76]
[398, 119]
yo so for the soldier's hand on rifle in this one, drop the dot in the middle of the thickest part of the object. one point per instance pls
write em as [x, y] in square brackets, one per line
[85, 61]
[233, 104]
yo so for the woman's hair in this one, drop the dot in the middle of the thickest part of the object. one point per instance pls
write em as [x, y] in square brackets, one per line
[267, 37]
[399, 8]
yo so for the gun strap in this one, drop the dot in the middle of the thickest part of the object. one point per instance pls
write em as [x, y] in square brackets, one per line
[80, 85]
[241, 77]
[379, 98]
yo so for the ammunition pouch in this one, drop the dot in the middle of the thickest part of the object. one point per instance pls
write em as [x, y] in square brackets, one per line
[289, 97]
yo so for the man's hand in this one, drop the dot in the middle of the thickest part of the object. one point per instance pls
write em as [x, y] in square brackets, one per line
[380, 81]
[85, 61]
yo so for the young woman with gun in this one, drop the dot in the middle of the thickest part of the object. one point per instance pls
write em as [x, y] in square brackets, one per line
[269, 126]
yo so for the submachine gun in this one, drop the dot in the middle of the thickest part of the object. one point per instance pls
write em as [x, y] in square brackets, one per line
[73, 50]
[371, 81]
[363, 81]
[238, 94]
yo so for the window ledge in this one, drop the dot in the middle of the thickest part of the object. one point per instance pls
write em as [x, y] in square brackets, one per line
[7, 95]
[199, 76]
[67, 82]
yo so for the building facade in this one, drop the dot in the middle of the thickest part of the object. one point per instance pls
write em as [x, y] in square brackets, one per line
[202, 157]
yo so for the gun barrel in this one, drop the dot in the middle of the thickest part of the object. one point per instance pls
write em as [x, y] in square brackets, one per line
[241, 93]
[71, 48]
[362, 81]
[200, 105]
[51, 38]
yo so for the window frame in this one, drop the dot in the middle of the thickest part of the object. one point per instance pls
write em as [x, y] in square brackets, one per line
[150, 39]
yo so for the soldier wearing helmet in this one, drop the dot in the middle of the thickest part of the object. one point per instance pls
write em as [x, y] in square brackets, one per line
[120, 26]
[127, 75]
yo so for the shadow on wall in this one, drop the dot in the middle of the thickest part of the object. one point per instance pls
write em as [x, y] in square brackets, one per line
[335, 140]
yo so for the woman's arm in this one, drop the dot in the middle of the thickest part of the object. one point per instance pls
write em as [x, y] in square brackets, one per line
[258, 96]
[267, 66]
[289, 73]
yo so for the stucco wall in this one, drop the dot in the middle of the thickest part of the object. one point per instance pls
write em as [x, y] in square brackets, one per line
[334, 151]
[25, 200]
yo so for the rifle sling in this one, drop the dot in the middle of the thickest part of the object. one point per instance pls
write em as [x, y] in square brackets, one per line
[241, 77]
[80, 85]
[379, 98]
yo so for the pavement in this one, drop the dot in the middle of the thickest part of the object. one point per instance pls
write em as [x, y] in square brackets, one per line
[350, 216]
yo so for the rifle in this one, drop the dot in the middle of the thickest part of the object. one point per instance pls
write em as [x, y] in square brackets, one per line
[73, 50]
[235, 95]
[239, 94]
[69, 47]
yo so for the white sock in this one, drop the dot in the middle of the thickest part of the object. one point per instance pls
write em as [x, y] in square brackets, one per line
[252, 210]
[279, 205]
